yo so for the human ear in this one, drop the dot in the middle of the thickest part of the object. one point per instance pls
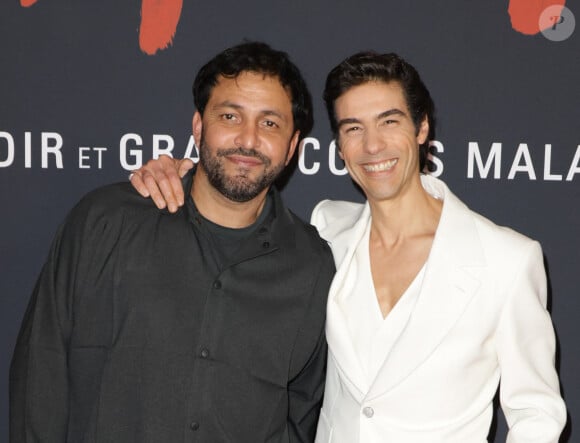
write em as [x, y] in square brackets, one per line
[292, 148]
[423, 131]
[197, 125]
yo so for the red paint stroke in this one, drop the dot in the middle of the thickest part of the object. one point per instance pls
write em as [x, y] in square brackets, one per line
[525, 14]
[159, 20]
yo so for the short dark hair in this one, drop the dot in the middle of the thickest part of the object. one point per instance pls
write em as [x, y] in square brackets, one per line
[370, 66]
[262, 59]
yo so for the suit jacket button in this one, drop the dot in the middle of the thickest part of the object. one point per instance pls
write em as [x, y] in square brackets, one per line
[368, 412]
[194, 426]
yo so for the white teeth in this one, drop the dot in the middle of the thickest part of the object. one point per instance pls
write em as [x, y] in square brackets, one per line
[377, 167]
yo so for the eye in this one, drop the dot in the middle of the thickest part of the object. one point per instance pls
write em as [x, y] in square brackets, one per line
[352, 129]
[230, 117]
[270, 124]
[389, 121]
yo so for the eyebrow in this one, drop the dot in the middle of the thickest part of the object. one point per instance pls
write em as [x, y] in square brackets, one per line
[233, 105]
[394, 111]
[384, 114]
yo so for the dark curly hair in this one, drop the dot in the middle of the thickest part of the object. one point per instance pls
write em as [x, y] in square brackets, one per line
[259, 58]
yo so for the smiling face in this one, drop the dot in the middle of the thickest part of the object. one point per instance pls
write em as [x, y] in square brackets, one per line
[378, 140]
[246, 135]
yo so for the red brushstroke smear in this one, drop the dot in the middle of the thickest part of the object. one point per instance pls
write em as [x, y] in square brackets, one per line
[159, 20]
[525, 14]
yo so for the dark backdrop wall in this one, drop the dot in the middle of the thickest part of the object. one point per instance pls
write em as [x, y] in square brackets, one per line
[85, 95]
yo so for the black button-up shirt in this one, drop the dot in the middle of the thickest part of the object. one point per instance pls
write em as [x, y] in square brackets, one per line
[132, 335]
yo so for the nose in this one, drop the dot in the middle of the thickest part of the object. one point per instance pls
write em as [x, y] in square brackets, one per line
[248, 136]
[372, 142]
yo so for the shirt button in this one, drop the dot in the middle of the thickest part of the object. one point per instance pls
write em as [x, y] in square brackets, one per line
[217, 284]
[368, 412]
[194, 426]
[204, 353]
[266, 244]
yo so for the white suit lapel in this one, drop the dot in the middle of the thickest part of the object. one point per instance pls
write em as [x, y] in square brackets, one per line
[345, 234]
[449, 284]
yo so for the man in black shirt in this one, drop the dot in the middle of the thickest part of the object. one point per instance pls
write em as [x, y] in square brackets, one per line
[203, 326]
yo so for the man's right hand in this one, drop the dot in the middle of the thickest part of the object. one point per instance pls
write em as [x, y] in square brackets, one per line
[161, 180]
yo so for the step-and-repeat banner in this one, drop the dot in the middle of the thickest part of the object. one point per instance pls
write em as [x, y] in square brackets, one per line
[90, 90]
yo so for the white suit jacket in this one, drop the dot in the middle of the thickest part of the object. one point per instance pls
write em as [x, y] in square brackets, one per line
[480, 316]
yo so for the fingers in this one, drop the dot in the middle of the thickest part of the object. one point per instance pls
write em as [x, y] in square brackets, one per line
[185, 164]
[174, 178]
[160, 177]
[159, 180]
[137, 182]
[161, 193]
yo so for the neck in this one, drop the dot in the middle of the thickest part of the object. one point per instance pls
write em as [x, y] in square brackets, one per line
[219, 209]
[406, 216]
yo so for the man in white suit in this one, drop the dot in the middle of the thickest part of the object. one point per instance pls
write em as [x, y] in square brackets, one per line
[432, 304]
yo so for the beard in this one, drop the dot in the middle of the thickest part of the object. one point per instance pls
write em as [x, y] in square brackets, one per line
[239, 187]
